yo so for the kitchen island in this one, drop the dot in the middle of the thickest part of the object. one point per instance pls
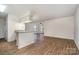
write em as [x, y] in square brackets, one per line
[24, 38]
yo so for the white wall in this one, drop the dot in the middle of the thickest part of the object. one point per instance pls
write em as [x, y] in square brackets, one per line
[77, 27]
[2, 27]
[11, 22]
[61, 27]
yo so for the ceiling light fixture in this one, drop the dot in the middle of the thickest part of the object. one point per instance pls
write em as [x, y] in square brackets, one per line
[2, 8]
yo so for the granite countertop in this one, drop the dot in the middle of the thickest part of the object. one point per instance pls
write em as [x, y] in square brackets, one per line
[20, 31]
[23, 31]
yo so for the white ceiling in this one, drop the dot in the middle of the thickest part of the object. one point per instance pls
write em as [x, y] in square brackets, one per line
[43, 10]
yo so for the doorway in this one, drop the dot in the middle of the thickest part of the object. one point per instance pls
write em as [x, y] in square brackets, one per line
[3, 26]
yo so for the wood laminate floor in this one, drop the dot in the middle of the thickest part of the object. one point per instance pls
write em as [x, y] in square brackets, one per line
[49, 46]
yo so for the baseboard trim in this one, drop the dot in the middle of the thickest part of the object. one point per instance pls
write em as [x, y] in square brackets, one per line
[58, 38]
